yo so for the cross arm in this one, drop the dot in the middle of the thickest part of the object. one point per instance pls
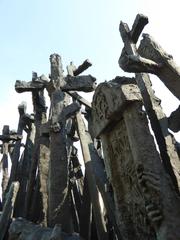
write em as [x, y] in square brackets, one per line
[36, 84]
[79, 83]
[130, 60]
[84, 66]
[138, 26]
[79, 98]
[73, 71]
[71, 109]
[13, 137]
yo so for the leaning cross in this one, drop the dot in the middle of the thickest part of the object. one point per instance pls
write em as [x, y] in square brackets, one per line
[131, 61]
[6, 137]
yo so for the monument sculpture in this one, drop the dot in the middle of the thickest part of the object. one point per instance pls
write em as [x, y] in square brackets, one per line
[125, 185]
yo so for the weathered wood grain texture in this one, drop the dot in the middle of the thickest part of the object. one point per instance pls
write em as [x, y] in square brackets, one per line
[38, 84]
[85, 218]
[169, 72]
[8, 208]
[23, 176]
[169, 201]
[82, 83]
[139, 23]
[101, 231]
[102, 184]
[157, 117]
[130, 60]
[99, 170]
[36, 87]
[44, 159]
[16, 151]
[59, 197]
[73, 71]
[81, 68]
[159, 123]
[7, 137]
[40, 114]
[5, 175]
[79, 98]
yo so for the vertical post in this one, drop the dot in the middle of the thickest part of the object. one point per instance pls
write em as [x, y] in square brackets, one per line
[101, 230]
[59, 195]
[8, 209]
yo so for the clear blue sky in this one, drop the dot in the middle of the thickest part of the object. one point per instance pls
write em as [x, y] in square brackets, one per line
[76, 29]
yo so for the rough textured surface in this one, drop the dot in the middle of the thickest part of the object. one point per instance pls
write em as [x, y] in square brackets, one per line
[38, 83]
[59, 197]
[85, 142]
[162, 201]
[152, 105]
[6, 137]
[174, 120]
[23, 171]
[169, 72]
[82, 83]
[39, 108]
[143, 192]
[159, 124]
[107, 110]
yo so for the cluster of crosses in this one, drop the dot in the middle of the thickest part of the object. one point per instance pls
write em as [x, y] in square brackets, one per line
[51, 194]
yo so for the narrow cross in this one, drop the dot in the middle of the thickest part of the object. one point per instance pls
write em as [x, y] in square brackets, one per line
[36, 87]
[24, 163]
[16, 151]
[6, 137]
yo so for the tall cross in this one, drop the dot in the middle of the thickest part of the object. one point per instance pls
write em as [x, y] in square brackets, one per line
[36, 87]
[59, 196]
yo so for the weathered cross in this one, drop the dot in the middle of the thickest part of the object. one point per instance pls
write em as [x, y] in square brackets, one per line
[131, 61]
[16, 150]
[24, 163]
[6, 137]
[36, 87]
[59, 198]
